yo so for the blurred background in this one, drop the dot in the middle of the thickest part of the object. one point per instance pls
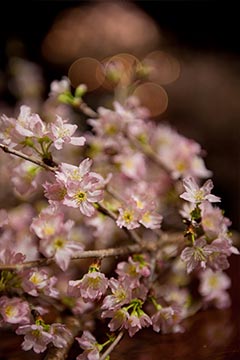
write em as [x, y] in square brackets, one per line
[192, 49]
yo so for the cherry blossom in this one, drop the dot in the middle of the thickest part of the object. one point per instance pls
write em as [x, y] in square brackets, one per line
[196, 194]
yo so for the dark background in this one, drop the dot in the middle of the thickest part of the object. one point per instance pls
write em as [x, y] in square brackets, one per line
[205, 25]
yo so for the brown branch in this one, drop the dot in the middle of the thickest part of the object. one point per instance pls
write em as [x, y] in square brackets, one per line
[101, 253]
[32, 159]
[74, 325]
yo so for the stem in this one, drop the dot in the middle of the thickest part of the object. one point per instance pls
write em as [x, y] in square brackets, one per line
[87, 110]
[150, 154]
[32, 159]
[101, 253]
[112, 346]
[54, 353]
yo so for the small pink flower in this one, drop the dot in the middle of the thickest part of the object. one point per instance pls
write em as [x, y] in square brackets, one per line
[133, 271]
[61, 248]
[26, 177]
[35, 337]
[57, 87]
[8, 256]
[60, 334]
[8, 134]
[83, 194]
[163, 320]
[30, 125]
[136, 321]
[119, 318]
[132, 164]
[213, 221]
[55, 237]
[196, 194]
[213, 286]
[70, 172]
[90, 346]
[196, 256]
[121, 295]
[48, 223]
[14, 310]
[129, 216]
[91, 287]
[35, 282]
[61, 133]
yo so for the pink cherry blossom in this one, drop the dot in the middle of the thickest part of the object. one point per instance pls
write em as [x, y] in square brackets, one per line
[90, 346]
[8, 134]
[29, 124]
[70, 172]
[213, 286]
[14, 310]
[9, 256]
[91, 287]
[55, 237]
[61, 335]
[136, 321]
[118, 317]
[196, 194]
[83, 195]
[36, 282]
[196, 256]
[61, 133]
[163, 319]
[132, 271]
[58, 87]
[121, 295]
[35, 337]
[26, 178]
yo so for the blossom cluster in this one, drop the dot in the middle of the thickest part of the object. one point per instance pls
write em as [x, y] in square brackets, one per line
[114, 198]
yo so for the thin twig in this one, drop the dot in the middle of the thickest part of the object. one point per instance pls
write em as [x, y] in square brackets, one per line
[87, 110]
[32, 159]
[112, 346]
[100, 253]
[148, 152]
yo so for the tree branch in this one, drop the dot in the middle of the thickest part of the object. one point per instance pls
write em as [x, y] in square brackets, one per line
[112, 346]
[34, 160]
[101, 253]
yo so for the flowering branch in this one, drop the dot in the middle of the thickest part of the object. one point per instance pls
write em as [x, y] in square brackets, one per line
[153, 274]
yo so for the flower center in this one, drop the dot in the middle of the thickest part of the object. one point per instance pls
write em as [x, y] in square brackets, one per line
[36, 278]
[80, 196]
[127, 216]
[199, 195]
[59, 243]
[10, 311]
